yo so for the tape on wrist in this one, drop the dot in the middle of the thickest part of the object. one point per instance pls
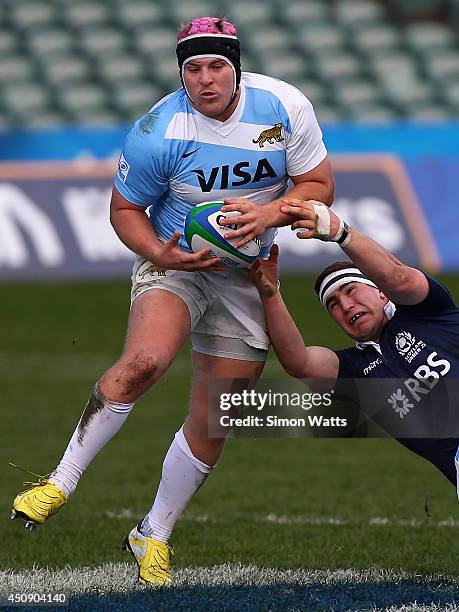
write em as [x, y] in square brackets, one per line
[322, 218]
[343, 235]
[323, 222]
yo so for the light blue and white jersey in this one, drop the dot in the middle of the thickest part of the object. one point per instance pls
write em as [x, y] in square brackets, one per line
[175, 157]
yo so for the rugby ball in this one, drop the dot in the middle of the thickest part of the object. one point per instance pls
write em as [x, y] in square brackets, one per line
[203, 230]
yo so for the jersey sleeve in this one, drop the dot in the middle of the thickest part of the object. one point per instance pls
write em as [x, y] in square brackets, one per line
[438, 300]
[346, 367]
[140, 177]
[305, 147]
[345, 389]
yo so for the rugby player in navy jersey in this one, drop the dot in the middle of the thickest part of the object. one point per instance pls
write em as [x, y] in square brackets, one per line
[224, 134]
[405, 326]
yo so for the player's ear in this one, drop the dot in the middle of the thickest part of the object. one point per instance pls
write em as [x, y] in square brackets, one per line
[383, 297]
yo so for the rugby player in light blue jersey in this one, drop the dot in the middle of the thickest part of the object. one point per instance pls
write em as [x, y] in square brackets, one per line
[224, 134]
[404, 367]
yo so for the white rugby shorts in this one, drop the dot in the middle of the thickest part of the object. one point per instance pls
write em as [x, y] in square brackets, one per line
[227, 317]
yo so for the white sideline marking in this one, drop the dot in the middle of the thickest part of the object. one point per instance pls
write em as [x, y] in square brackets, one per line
[302, 520]
[376, 521]
[120, 577]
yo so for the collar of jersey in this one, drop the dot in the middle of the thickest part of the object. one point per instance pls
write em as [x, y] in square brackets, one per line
[226, 127]
[389, 311]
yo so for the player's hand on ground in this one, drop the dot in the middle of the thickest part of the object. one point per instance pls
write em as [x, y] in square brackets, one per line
[171, 257]
[304, 210]
[265, 273]
[253, 220]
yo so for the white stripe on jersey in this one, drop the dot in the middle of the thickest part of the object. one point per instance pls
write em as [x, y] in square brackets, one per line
[242, 135]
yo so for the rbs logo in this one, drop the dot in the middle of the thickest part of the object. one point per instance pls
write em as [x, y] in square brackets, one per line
[427, 376]
[239, 175]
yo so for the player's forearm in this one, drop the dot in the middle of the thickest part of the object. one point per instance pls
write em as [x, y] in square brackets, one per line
[134, 230]
[311, 190]
[399, 282]
[284, 334]
[322, 191]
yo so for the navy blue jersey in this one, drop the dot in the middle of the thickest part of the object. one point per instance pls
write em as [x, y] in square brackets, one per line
[418, 351]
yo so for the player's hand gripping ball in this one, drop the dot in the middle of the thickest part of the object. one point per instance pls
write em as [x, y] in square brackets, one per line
[203, 230]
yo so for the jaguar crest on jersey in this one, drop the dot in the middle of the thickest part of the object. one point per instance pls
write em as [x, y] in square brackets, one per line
[271, 135]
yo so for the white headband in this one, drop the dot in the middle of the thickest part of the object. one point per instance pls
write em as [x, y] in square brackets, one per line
[334, 280]
[206, 35]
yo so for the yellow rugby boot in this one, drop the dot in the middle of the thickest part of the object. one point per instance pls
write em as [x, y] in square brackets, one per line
[37, 503]
[152, 557]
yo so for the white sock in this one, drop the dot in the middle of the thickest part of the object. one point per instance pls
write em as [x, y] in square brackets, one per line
[100, 421]
[182, 476]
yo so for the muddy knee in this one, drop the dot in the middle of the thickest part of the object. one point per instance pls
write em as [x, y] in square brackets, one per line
[133, 376]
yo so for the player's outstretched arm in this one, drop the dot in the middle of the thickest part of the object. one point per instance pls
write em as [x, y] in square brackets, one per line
[134, 229]
[316, 184]
[297, 359]
[399, 282]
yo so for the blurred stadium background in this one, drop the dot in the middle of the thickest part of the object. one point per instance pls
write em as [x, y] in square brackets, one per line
[103, 62]
[383, 76]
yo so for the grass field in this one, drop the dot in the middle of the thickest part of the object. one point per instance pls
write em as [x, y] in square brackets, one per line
[315, 524]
